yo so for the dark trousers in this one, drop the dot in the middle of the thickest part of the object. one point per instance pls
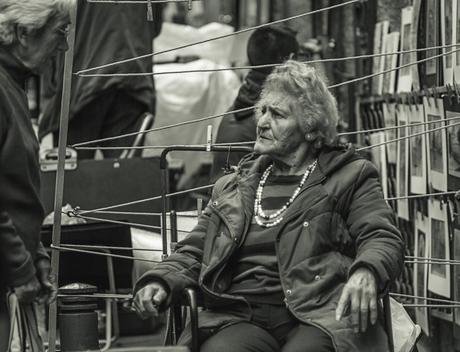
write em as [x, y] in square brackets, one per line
[4, 323]
[110, 114]
[271, 329]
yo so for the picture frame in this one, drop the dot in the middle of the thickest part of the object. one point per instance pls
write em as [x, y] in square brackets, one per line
[436, 143]
[452, 110]
[390, 45]
[420, 274]
[447, 7]
[405, 73]
[402, 169]
[439, 275]
[417, 148]
[389, 117]
[378, 62]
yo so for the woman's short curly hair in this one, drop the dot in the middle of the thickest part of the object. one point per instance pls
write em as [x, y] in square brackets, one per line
[32, 14]
[308, 89]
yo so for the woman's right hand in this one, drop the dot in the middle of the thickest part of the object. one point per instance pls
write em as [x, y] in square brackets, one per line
[149, 298]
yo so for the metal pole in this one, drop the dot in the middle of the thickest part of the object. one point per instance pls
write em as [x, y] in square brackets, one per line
[59, 188]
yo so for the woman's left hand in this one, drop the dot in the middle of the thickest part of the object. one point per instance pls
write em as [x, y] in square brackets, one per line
[360, 294]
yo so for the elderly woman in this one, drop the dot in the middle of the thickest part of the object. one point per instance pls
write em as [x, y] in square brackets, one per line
[295, 247]
[31, 32]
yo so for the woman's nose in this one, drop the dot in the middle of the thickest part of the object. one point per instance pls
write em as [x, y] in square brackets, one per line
[263, 120]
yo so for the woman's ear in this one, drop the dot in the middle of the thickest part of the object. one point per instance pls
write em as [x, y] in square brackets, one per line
[22, 35]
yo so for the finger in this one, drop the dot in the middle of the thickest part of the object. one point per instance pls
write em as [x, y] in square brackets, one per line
[373, 308]
[364, 310]
[343, 304]
[355, 307]
[159, 297]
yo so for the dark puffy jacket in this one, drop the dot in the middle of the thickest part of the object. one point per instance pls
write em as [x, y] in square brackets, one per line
[338, 222]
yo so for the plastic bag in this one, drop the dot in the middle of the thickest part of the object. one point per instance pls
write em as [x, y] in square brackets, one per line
[405, 331]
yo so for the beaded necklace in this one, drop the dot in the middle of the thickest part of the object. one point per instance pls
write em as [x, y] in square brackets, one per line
[274, 219]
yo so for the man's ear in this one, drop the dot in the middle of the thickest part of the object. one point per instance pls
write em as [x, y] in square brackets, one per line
[22, 35]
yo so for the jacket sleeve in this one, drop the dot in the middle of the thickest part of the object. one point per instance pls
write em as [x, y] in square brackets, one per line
[182, 268]
[17, 265]
[371, 222]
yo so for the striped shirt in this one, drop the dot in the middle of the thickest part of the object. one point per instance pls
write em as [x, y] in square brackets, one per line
[256, 274]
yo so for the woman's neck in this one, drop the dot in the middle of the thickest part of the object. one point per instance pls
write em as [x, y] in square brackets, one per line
[294, 166]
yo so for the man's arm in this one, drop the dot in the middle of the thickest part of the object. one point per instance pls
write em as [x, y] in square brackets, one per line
[17, 265]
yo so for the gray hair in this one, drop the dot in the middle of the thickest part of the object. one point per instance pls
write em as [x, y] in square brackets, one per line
[307, 88]
[32, 14]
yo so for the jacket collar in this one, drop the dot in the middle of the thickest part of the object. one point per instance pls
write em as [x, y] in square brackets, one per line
[13, 66]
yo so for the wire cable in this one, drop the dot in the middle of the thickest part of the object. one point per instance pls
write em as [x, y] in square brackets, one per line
[119, 256]
[250, 107]
[220, 36]
[408, 136]
[251, 67]
[81, 212]
[382, 129]
[88, 246]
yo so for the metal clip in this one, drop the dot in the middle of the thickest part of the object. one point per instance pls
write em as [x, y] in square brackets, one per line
[149, 11]
[209, 138]
[190, 4]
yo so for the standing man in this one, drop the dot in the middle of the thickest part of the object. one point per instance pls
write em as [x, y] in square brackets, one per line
[105, 106]
[31, 33]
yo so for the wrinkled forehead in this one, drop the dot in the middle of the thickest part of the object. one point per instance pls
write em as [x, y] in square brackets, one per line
[276, 97]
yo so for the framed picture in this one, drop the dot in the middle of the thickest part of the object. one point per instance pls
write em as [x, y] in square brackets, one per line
[452, 108]
[436, 143]
[389, 116]
[439, 274]
[405, 74]
[431, 40]
[456, 253]
[421, 250]
[391, 45]
[417, 148]
[456, 38]
[446, 39]
[402, 163]
[416, 7]
[378, 63]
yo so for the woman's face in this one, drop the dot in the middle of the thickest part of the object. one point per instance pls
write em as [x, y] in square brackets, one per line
[278, 130]
[39, 47]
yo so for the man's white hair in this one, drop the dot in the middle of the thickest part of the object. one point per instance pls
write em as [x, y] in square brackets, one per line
[32, 14]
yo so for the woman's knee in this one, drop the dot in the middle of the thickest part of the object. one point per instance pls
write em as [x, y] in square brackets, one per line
[305, 338]
[242, 337]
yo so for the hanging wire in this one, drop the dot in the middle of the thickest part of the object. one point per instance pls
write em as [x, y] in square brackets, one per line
[382, 129]
[251, 67]
[120, 222]
[180, 124]
[220, 36]
[427, 260]
[81, 212]
[432, 305]
[409, 136]
[250, 107]
[427, 195]
[119, 256]
[88, 246]
[391, 69]
[394, 294]
[116, 296]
